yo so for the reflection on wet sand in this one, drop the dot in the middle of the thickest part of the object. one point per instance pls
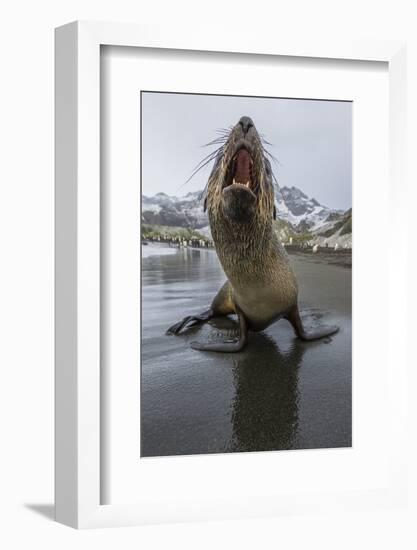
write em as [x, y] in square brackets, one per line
[265, 406]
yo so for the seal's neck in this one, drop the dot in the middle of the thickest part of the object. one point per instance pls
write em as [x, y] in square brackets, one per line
[244, 249]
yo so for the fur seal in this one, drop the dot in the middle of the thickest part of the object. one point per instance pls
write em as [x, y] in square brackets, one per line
[261, 286]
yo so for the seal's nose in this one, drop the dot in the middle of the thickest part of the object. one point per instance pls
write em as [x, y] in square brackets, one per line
[246, 123]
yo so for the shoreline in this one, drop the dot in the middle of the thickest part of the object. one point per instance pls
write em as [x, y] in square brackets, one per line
[341, 256]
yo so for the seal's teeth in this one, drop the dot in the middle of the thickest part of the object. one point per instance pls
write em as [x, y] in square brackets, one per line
[234, 181]
[248, 184]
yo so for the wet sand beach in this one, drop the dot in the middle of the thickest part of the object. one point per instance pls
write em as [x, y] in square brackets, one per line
[278, 393]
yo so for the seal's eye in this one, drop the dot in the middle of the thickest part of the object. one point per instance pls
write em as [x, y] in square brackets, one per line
[268, 168]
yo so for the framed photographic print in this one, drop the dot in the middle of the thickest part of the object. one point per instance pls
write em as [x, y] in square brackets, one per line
[221, 311]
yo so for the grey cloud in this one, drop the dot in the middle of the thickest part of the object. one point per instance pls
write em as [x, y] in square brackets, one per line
[311, 139]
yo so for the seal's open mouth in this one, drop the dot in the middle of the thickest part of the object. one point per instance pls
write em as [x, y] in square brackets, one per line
[240, 171]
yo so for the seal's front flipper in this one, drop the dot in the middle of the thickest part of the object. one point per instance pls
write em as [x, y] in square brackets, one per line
[190, 321]
[319, 332]
[231, 346]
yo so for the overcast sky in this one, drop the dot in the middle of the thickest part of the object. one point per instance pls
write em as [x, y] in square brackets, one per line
[311, 139]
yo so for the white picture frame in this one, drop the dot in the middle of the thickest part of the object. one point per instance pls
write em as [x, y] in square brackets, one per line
[78, 406]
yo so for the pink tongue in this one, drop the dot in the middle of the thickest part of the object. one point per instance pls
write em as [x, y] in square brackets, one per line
[242, 172]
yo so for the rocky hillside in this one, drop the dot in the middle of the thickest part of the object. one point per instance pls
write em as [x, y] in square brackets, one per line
[337, 229]
[303, 212]
[161, 209]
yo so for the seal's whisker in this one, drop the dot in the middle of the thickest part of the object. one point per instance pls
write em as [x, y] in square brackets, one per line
[206, 160]
[264, 140]
[209, 157]
[215, 141]
[271, 156]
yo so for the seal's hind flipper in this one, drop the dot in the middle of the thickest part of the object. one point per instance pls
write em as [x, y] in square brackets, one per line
[231, 346]
[315, 334]
[190, 321]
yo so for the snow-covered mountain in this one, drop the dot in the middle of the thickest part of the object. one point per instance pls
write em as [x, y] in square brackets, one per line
[293, 206]
[304, 213]
[162, 209]
[337, 229]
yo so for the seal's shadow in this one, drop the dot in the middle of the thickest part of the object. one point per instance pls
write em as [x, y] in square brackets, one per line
[265, 406]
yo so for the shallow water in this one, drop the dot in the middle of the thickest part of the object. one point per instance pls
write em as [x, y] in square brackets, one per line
[157, 250]
[278, 393]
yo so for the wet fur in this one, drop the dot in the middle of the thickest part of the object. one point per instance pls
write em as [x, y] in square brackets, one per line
[262, 281]
[261, 286]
